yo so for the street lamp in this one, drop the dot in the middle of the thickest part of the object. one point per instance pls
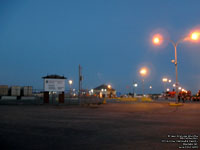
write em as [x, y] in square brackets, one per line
[70, 83]
[157, 40]
[134, 87]
[143, 73]
[195, 36]
[164, 80]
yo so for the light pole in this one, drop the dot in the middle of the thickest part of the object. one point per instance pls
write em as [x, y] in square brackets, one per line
[70, 83]
[164, 80]
[143, 73]
[150, 87]
[109, 91]
[157, 40]
[134, 88]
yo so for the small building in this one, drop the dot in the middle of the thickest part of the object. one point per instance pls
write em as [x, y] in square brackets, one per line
[104, 90]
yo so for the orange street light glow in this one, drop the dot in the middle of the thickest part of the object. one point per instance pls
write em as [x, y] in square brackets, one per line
[195, 36]
[157, 39]
[109, 86]
[143, 71]
[164, 79]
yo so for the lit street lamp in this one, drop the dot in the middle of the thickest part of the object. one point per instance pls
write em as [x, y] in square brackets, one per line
[70, 84]
[150, 87]
[143, 73]
[164, 80]
[157, 39]
[134, 88]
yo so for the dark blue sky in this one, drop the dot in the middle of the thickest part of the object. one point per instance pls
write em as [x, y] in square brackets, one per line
[109, 38]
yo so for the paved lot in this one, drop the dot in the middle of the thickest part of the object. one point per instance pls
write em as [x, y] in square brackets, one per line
[138, 126]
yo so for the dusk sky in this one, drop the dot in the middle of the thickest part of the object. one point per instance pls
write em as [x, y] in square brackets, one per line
[111, 39]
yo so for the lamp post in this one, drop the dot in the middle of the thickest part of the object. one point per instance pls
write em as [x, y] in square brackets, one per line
[143, 72]
[70, 84]
[150, 87]
[157, 40]
[164, 80]
[134, 87]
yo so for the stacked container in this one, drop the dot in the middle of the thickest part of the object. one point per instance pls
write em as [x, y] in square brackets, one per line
[3, 90]
[15, 91]
[27, 91]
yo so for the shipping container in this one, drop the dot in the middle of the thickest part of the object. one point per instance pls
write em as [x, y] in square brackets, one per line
[3, 90]
[15, 91]
[27, 91]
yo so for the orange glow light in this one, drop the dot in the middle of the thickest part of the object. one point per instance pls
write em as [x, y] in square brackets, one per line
[195, 36]
[143, 71]
[157, 39]
[164, 79]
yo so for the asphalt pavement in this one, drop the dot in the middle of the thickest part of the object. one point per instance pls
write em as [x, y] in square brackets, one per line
[113, 126]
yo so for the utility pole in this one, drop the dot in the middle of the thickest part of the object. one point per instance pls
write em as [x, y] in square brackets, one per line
[80, 81]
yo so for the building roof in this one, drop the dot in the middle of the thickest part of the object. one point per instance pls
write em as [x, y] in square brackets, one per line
[54, 77]
[104, 86]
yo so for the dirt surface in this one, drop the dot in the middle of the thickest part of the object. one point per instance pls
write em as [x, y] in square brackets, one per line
[139, 126]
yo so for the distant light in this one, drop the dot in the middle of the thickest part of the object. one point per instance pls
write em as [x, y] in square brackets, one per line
[170, 81]
[105, 90]
[157, 39]
[174, 85]
[70, 82]
[179, 88]
[183, 90]
[92, 90]
[135, 85]
[109, 86]
[164, 79]
[168, 89]
[195, 36]
[173, 61]
[102, 90]
[143, 71]
[150, 87]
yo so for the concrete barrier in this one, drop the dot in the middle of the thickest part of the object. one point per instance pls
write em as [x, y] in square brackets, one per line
[27, 98]
[9, 97]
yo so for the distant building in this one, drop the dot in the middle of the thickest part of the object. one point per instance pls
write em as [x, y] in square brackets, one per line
[104, 91]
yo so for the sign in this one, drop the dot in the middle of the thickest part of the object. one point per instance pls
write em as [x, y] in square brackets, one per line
[54, 85]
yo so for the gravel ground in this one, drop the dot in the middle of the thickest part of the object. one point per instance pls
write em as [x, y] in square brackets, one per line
[138, 126]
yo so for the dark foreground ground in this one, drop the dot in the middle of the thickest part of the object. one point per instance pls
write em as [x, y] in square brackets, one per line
[103, 127]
